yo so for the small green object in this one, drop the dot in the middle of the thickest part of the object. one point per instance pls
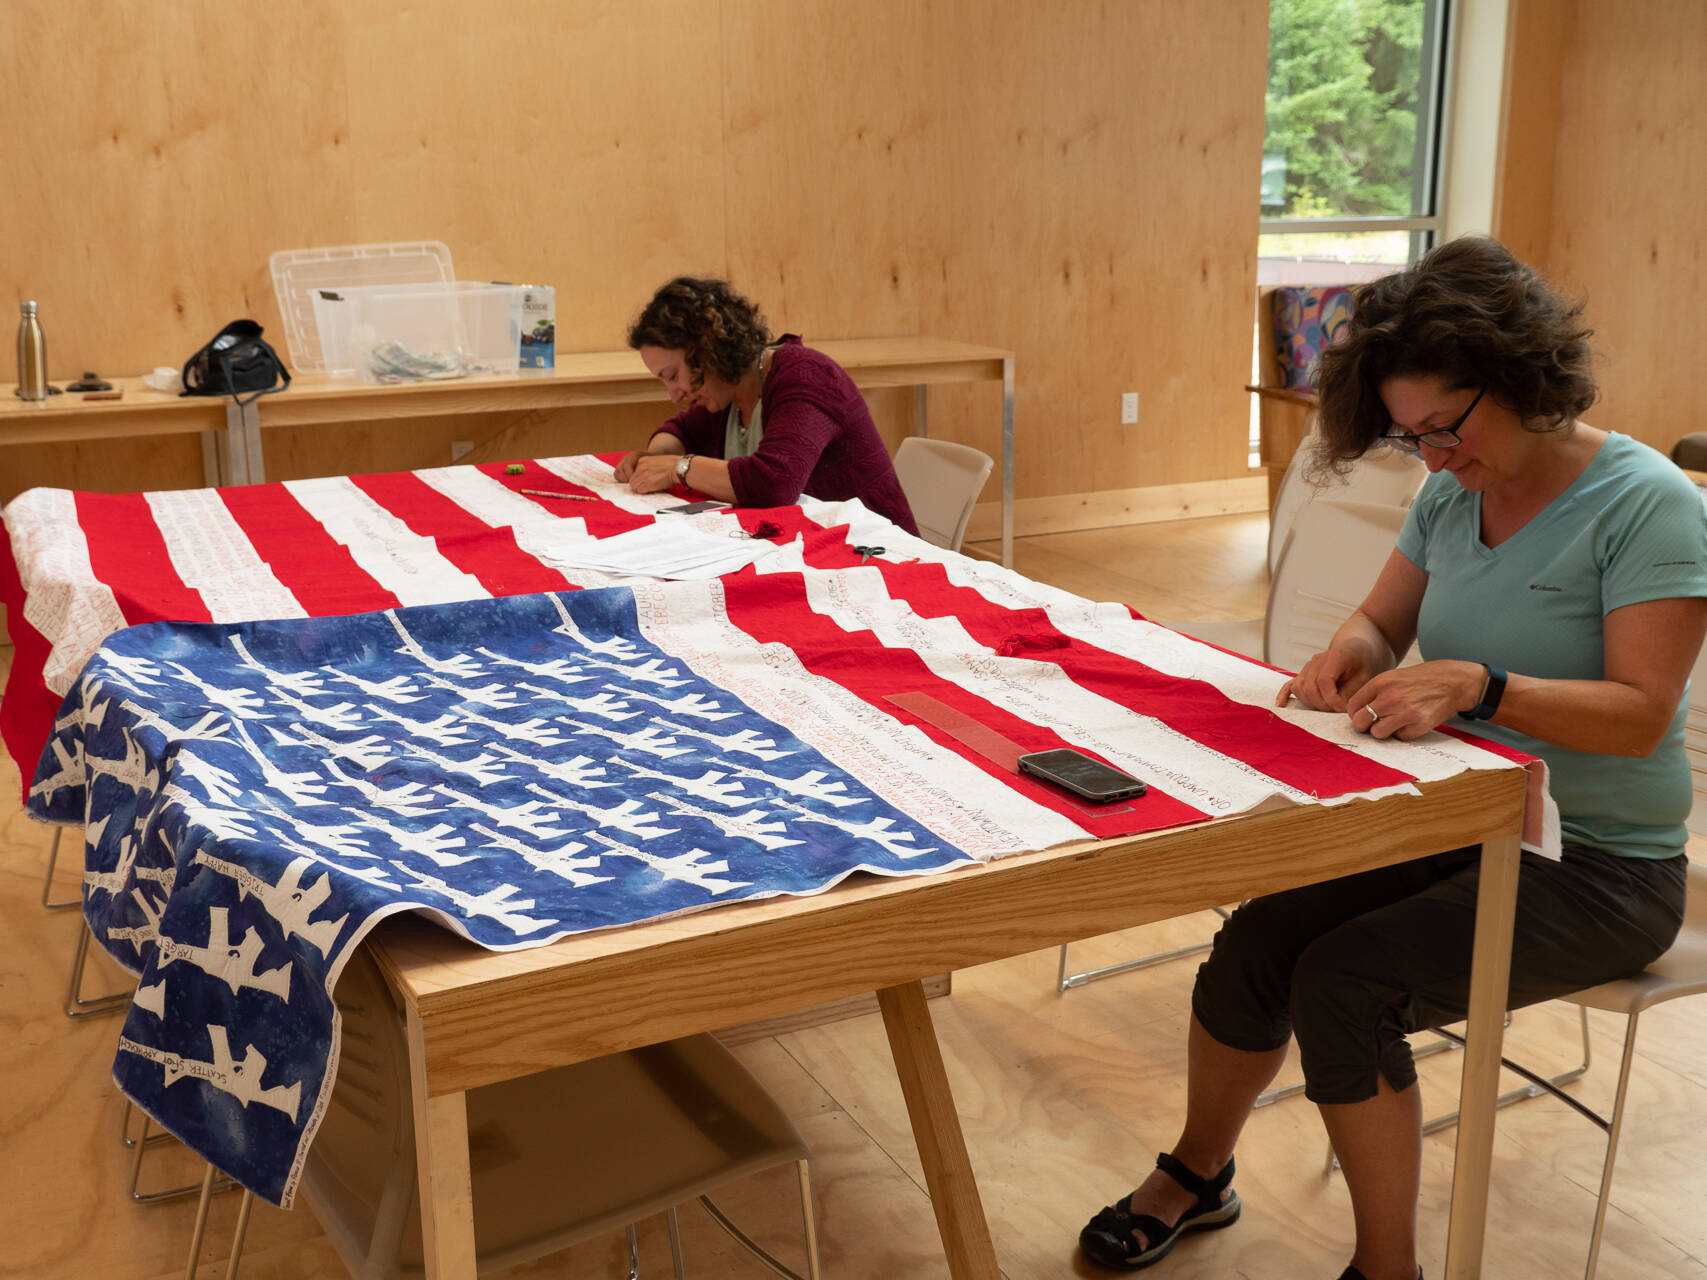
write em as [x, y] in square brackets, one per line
[514, 469]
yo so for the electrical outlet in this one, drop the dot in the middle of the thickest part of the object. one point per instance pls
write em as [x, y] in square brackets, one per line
[460, 448]
[1128, 408]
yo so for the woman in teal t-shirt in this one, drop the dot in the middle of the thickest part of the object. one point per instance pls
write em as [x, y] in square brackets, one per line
[1555, 577]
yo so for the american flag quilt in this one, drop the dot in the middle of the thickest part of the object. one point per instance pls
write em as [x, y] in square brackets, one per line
[256, 795]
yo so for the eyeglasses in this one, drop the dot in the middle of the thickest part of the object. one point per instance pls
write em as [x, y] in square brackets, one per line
[1439, 438]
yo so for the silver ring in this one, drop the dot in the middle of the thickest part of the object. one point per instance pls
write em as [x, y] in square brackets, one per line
[1373, 713]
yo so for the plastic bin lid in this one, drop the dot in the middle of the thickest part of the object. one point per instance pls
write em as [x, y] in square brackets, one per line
[297, 273]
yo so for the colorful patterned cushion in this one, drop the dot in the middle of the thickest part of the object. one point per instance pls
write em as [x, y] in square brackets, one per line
[1306, 319]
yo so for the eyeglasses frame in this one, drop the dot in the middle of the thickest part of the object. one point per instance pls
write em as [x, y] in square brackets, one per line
[1413, 441]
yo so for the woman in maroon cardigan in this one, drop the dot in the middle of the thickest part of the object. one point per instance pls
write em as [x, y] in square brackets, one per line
[763, 422]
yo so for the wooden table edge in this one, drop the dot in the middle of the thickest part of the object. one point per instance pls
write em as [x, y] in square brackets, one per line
[715, 967]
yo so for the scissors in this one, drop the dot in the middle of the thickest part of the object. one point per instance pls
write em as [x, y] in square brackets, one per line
[865, 553]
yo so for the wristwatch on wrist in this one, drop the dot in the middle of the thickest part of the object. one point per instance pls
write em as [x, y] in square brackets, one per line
[1492, 692]
[682, 468]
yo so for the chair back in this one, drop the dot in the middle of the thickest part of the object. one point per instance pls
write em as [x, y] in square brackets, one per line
[942, 481]
[1332, 557]
[1381, 478]
[555, 1156]
[1695, 742]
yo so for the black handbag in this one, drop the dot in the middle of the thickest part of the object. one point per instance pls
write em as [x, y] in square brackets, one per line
[238, 359]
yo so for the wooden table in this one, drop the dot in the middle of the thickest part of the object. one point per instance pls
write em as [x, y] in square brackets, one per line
[232, 450]
[476, 1017]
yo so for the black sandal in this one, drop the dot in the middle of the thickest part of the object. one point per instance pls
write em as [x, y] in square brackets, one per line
[1107, 1238]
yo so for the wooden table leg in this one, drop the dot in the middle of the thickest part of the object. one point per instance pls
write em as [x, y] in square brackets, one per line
[441, 1158]
[936, 1129]
[1490, 976]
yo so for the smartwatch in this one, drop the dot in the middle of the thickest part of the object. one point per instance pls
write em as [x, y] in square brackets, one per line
[682, 468]
[1492, 692]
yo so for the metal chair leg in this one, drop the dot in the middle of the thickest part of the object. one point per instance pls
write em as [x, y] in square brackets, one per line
[633, 1253]
[755, 1248]
[810, 1223]
[47, 880]
[75, 1005]
[146, 1142]
[200, 1227]
[675, 1242]
[209, 1184]
[1065, 981]
[1613, 1128]
[1538, 1085]
[242, 1228]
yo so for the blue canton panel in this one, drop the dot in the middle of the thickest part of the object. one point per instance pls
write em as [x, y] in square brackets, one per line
[257, 795]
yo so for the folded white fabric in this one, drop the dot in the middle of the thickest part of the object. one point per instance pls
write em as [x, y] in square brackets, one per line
[672, 550]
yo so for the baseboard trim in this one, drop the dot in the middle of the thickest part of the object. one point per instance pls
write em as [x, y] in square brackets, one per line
[1102, 508]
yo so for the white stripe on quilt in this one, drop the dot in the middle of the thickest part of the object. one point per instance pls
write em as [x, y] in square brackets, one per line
[1111, 627]
[537, 531]
[215, 559]
[1045, 695]
[400, 560]
[63, 599]
[931, 784]
[587, 471]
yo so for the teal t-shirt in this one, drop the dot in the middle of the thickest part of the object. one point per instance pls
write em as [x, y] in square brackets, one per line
[1631, 528]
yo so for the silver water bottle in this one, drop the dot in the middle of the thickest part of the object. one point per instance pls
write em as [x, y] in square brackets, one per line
[32, 354]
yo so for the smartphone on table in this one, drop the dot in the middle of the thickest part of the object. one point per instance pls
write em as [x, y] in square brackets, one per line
[693, 508]
[1082, 775]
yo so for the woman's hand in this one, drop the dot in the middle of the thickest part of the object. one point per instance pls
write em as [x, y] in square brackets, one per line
[651, 472]
[1322, 684]
[1408, 702]
[625, 468]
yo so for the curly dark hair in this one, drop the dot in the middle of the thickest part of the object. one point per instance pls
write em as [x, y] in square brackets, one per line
[717, 329]
[1472, 315]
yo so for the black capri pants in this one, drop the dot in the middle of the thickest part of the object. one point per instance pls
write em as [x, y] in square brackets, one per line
[1351, 966]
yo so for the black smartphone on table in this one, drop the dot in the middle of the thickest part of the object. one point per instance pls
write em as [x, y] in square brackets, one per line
[693, 508]
[1082, 775]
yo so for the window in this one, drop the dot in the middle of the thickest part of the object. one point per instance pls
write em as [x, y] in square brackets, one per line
[1352, 147]
[1351, 152]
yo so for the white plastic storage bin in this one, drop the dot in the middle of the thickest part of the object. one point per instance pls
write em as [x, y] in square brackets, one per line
[298, 274]
[392, 333]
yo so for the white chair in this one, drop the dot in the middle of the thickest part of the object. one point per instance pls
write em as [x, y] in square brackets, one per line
[557, 1157]
[1681, 971]
[942, 481]
[1381, 478]
[1384, 478]
[1333, 556]
[1695, 742]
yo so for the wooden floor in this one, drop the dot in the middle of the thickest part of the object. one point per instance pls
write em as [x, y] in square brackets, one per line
[1064, 1098]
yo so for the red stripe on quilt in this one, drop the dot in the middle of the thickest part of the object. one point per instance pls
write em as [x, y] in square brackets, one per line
[308, 562]
[603, 519]
[28, 710]
[128, 553]
[1252, 735]
[489, 555]
[775, 610]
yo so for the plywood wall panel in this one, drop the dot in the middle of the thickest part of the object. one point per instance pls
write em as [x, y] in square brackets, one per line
[1074, 182]
[831, 143]
[157, 152]
[1102, 166]
[1630, 187]
[577, 145]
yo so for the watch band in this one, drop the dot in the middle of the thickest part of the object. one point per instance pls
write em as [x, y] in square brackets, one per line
[682, 466]
[1492, 692]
